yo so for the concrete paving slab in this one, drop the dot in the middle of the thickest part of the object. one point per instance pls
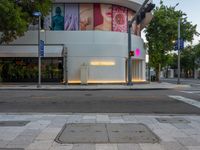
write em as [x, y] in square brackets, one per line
[83, 147]
[182, 126]
[106, 147]
[172, 120]
[188, 141]
[11, 148]
[173, 146]
[148, 146]
[128, 147]
[13, 123]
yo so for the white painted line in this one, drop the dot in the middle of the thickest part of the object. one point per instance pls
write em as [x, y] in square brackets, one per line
[186, 100]
[191, 92]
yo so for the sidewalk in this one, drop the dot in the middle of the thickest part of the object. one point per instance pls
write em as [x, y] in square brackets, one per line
[41, 131]
[136, 86]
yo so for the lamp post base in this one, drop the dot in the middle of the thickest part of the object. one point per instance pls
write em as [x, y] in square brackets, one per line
[130, 83]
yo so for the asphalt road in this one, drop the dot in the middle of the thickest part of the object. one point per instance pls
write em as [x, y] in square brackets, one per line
[100, 101]
[192, 82]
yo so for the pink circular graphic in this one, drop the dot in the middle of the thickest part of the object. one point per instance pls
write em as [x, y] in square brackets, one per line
[137, 52]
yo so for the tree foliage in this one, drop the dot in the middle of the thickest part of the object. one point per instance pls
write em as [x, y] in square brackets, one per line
[190, 59]
[163, 31]
[16, 15]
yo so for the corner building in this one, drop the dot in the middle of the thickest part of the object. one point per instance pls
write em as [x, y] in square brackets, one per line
[84, 33]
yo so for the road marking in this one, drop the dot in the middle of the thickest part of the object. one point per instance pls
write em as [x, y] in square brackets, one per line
[186, 100]
[191, 92]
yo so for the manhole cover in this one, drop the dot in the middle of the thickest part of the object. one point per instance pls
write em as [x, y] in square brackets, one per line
[172, 120]
[13, 123]
[106, 133]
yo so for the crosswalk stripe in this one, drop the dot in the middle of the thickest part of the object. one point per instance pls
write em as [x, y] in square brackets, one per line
[191, 92]
[186, 100]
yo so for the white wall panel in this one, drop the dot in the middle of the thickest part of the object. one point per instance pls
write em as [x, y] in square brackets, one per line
[86, 46]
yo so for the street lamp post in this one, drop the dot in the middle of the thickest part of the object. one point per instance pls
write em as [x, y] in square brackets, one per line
[38, 15]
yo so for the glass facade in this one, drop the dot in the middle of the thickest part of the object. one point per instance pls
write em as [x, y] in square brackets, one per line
[25, 69]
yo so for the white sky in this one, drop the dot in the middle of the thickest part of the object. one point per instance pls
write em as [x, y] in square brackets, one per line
[190, 7]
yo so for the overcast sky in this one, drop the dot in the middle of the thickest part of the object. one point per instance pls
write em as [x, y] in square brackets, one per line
[190, 7]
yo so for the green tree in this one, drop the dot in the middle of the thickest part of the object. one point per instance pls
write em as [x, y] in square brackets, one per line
[170, 62]
[162, 31]
[190, 60]
[16, 15]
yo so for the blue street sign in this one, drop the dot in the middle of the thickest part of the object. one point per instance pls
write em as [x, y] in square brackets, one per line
[41, 48]
[181, 44]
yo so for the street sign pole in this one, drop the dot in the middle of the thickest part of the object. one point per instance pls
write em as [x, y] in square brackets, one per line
[39, 56]
[179, 22]
[129, 58]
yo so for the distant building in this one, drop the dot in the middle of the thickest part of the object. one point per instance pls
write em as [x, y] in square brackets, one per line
[93, 33]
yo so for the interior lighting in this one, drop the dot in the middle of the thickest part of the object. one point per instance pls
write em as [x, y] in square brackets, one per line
[97, 81]
[102, 63]
[138, 80]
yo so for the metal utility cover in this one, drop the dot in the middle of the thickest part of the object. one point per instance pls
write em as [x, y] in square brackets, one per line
[13, 123]
[172, 120]
[83, 133]
[130, 133]
[106, 133]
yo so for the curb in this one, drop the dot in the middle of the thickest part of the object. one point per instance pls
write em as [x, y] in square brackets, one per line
[92, 88]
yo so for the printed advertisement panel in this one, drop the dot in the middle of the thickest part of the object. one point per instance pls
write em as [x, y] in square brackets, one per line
[130, 16]
[47, 22]
[71, 17]
[86, 17]
[57, 17]
[103, 17]
[119, 19]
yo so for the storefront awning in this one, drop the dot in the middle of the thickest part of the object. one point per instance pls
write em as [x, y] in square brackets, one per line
[30, 51]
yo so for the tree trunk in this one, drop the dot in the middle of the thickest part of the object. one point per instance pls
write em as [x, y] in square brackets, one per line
[167, 72]
[158, 73]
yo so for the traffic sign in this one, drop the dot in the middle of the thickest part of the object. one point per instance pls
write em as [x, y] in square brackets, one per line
[181, 44]
[41, 48]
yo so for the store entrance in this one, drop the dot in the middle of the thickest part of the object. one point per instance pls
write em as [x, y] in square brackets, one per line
[137, 70]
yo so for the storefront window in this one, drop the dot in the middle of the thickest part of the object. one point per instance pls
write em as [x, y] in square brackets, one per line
[26, 69]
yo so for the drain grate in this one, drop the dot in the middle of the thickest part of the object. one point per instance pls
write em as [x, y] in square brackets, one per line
[106, 133]
[13, 123]
[172, 120]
